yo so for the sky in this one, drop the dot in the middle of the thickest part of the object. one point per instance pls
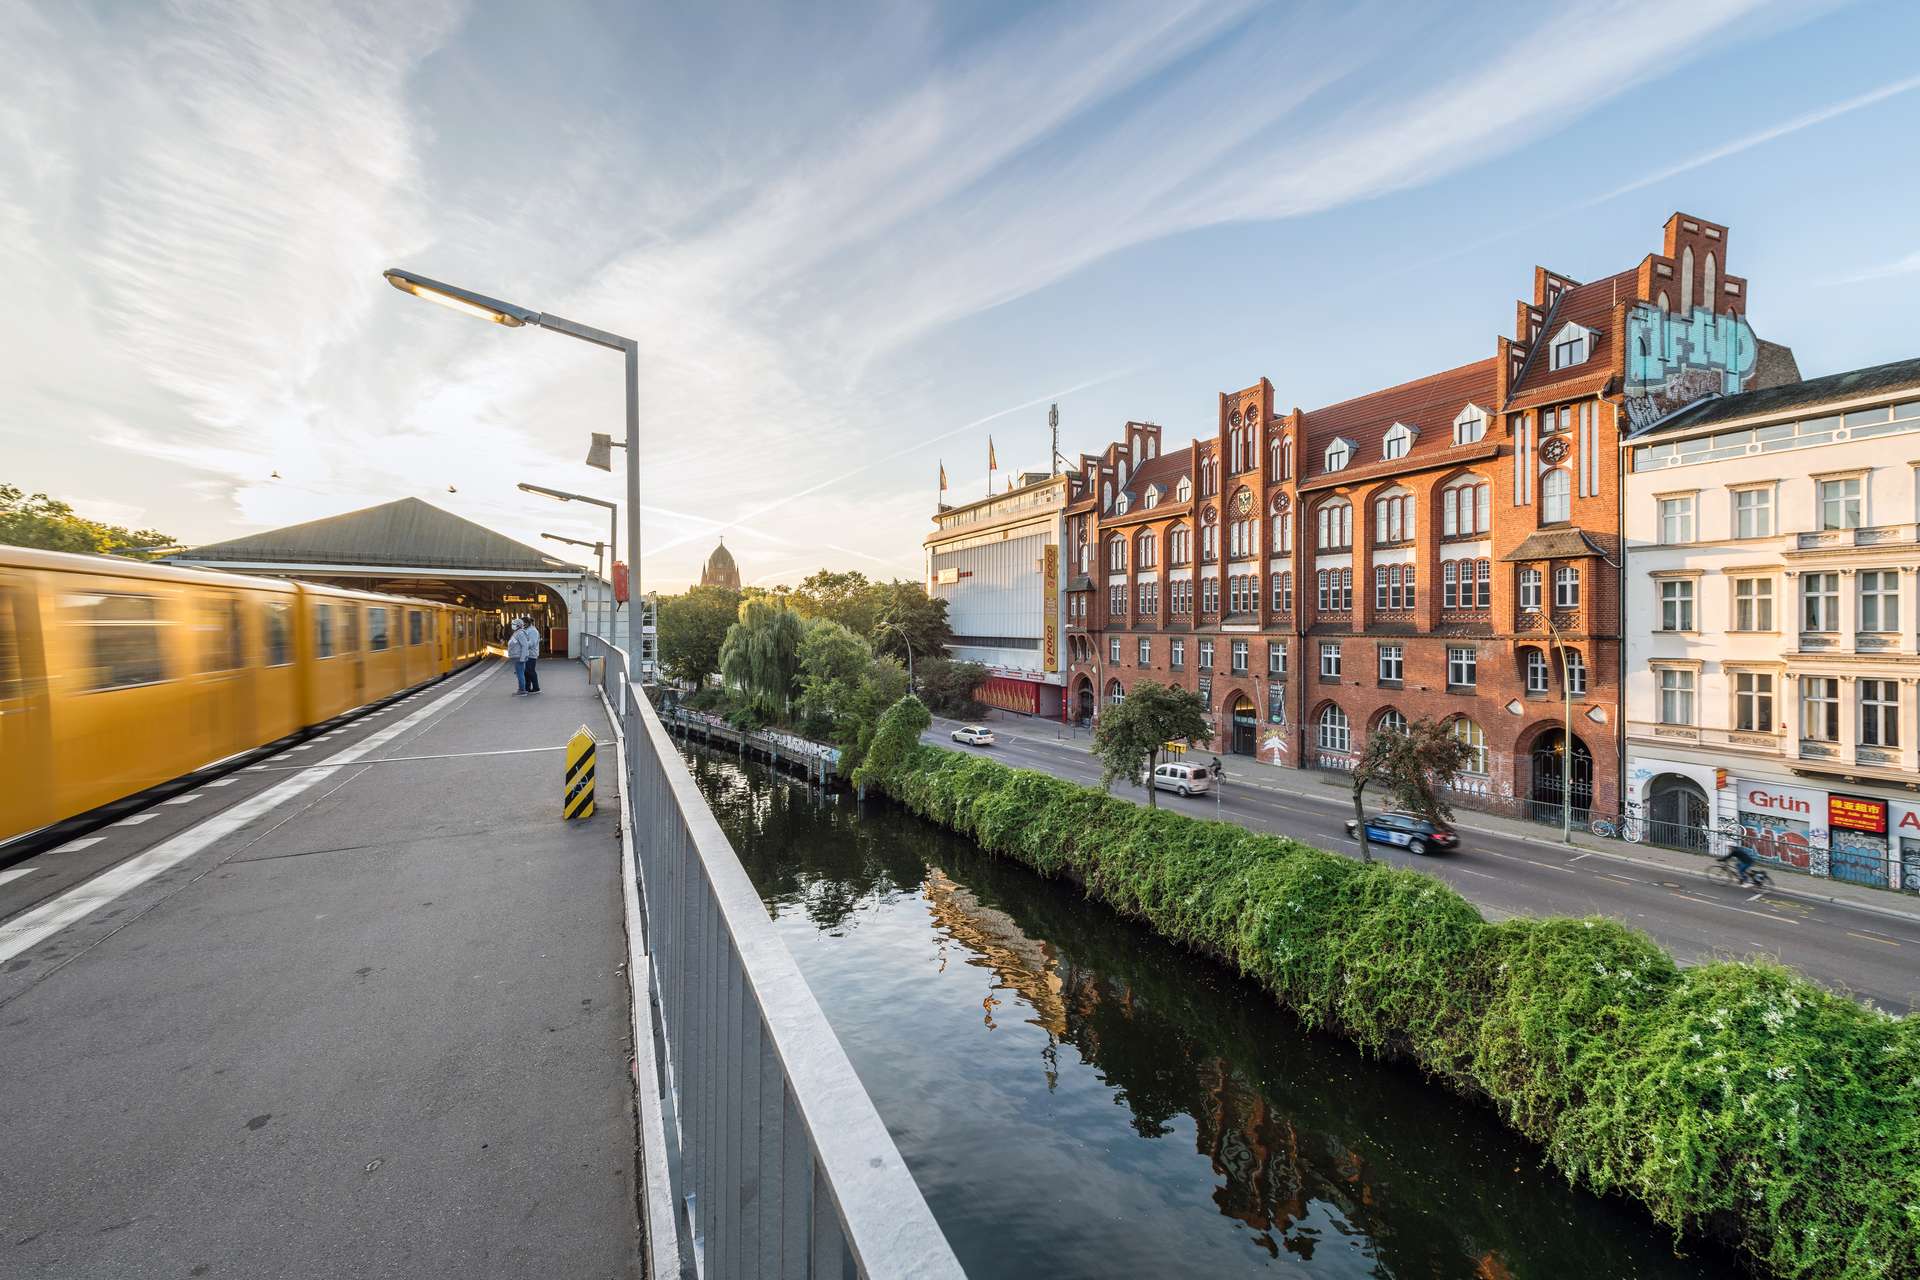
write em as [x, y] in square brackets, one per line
[853, 241]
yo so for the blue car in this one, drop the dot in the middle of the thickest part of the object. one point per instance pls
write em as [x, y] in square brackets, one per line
[1415, 835]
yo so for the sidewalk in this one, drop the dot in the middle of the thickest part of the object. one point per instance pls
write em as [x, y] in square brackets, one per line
[380, 1030]
[1314, 785]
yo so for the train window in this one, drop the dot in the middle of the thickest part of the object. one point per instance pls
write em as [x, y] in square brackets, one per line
[279, 632]
[349, 628]
[9, 647]
[323, 631]
[414, 625]
[376, 628]
[123, 638]
[221, 641]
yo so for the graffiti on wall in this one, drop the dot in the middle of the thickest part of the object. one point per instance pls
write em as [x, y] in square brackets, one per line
[1673, 360]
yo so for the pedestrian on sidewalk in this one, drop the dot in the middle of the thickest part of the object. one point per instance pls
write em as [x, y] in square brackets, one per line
[516, 654]
[530, 643]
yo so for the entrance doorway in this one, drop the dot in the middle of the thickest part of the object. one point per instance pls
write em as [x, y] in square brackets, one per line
[1246, 726]
[1678, 815]
[1550, 771]
[1084, 710]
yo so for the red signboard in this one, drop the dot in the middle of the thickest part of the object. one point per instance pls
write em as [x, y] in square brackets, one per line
[1857, 813]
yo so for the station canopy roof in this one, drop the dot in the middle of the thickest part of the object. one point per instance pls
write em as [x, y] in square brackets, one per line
[406, 534]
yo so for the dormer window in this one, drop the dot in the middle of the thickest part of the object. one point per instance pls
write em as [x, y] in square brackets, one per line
[1471, 426]
[1121, 508]
[1184, 491]
[1151, 498]
[1571, 346]
[1338, 455]
[1398, 440]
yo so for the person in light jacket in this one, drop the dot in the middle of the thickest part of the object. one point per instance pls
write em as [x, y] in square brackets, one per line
[530, 650]
[516, 654]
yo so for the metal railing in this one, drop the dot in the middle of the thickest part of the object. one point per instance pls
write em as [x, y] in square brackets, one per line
[777, 1163]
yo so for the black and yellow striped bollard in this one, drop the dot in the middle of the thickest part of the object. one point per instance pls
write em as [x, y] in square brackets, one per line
[577, 801]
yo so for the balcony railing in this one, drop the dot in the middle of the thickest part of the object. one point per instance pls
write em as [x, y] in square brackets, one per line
[762, 1153]
[1880, 535]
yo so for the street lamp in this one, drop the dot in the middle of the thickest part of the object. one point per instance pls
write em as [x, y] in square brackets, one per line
[613, 524]
[905, 639]
[513, 317]
[599, 569]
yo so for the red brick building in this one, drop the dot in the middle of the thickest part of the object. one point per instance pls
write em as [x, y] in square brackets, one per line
[1425, 550]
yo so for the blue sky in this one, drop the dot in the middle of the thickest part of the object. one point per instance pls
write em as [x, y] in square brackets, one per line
[855, 240]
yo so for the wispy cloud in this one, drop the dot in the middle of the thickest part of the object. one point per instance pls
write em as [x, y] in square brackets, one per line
[1898, 267]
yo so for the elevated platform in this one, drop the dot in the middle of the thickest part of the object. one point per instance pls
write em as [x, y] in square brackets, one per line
[359, 1012]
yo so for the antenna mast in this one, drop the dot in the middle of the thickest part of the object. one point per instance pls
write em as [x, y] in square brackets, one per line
[1053, 424]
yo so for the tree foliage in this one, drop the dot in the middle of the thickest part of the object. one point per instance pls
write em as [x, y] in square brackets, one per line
[761, 656]
[693, 626]
[895, 743]
[1133, 731]
[890, 616]
[35, 520]
[844, 689]
[948, 687]
[1415, 767]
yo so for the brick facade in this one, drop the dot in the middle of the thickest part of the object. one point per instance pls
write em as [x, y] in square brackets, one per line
[1486, 475]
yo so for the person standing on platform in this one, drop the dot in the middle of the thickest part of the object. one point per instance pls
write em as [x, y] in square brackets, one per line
[530, 642]
[517, 655]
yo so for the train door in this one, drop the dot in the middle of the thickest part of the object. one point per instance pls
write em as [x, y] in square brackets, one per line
[221, 710]
[352, 653]
[25, 729]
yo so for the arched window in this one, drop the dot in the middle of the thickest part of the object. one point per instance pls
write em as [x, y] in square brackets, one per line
[1143, 554]
[1333, 731]
[1686, 279]
[1273, 455]
[1183, 492]
[1286, 459]
[1470, 426]
[1121, 506]
[1475, 739]
[1708, 283]
[1338, 454]
[1466, 508]
[1123, 473]
[1335, 522]
[1390, 721]
[1179, 544]
[1117, 554]
[1114, 691]
[1556, 496]
[1397, 441]
[1393, 517]
[1150, 499]
[1106, 494]
[1534, 664]
[1666, 303]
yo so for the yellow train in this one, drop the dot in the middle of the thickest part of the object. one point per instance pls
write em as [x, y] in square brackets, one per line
[117, 676]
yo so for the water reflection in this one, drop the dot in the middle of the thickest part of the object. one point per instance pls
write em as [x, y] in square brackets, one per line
[1076, 1097]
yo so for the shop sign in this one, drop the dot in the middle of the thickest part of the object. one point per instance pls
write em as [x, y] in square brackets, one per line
[1785, 802]
[1049, 593]
[1857, 813]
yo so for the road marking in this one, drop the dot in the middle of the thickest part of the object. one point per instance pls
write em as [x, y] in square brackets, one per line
[305, 746]
[450, 755]
[1728, 906]
[35, 926]
[1622, 879]
[221, 782]
[16, 873]
[135, 820]
[82, 843]
[1469, 871]
[1584, 855]
[188, 798]
[1885, 942]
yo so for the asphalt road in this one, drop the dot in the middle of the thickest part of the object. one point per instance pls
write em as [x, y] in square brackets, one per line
[1869, 955]
[377, 1027]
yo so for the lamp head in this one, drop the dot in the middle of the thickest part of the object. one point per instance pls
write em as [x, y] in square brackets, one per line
[600, 452]
[458, 299]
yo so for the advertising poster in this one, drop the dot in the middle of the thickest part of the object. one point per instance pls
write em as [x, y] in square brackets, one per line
[1049, 596]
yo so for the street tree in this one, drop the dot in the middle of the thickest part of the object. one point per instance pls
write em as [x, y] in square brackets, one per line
[761, 655]
[1415, 767]
[847, 598]
[693, 626]
[1133, 731]
[948, 687]
[914, 621]
[36, 520]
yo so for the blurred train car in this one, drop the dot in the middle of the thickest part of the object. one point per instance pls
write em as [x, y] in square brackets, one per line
[116, 676]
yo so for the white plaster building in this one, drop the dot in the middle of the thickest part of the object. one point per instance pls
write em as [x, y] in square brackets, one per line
[999, 564]
[1774, 624]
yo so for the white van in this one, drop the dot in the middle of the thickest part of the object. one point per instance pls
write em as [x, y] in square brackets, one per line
[1187, 779]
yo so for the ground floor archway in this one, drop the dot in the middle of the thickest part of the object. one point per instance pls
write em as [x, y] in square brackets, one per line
[1554, 768]
[1243, 719]
[1679, 815]
[1083, 700]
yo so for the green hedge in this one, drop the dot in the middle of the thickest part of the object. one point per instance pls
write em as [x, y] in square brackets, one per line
[1732, 1098]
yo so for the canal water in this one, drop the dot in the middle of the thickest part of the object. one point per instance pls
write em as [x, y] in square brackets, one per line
[1077, 1097]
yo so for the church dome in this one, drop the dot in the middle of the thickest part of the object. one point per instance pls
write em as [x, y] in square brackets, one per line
[721, 571]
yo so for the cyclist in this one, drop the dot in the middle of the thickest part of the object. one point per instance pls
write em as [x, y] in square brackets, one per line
[1742, 858]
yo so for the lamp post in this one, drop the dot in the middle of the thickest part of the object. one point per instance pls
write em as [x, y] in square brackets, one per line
[906, 640]
[513, 317]
[1566, 732]
[599, 570]
[613, 522]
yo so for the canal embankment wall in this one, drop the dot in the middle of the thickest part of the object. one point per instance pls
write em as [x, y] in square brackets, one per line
[1734, 1099]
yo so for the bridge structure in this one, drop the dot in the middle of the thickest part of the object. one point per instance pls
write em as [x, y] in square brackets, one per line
[371, 1005]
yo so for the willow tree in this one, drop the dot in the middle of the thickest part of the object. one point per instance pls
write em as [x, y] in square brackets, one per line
[761, 655]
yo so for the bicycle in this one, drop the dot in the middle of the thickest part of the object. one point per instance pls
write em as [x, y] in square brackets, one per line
[1725, 872]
